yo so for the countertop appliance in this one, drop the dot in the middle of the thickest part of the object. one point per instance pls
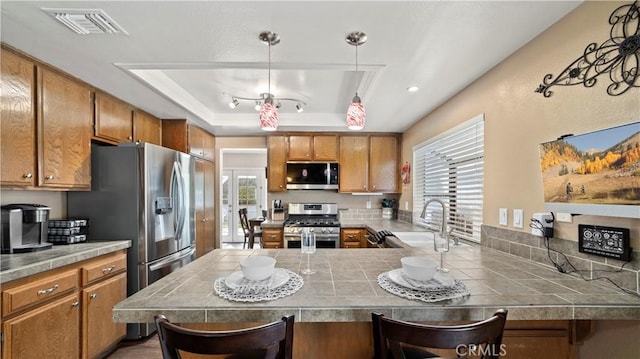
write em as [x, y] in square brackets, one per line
[312, 175]
[319, 218]
[144, 193]
[24, 228]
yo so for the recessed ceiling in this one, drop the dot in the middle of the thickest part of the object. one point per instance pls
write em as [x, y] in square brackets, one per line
[184, 59]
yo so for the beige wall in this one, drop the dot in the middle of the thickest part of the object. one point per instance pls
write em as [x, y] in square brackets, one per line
[517, 119]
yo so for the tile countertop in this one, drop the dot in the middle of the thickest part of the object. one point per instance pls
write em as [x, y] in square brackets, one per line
[345, 289]
[20, 265]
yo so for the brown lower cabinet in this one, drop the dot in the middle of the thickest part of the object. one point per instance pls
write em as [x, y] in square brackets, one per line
[352, 238]
[531, 339]
[272, 238]
[65, 312]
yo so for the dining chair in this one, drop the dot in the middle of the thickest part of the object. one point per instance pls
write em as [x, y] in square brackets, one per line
[269, 341]
[399, 339]
[250, 232]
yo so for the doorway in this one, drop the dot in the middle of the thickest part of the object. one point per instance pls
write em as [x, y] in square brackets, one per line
[241, 188]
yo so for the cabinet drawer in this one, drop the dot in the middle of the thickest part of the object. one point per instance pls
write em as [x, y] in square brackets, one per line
[104, 268]
[39, 291]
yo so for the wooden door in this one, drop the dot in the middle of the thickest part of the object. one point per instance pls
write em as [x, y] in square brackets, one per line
[64, 132]
[204, 206]
[325, 148]
[354, 158]
[114, 119]
[99, 331]
[52, 330]
[18, 125]
[276, 164]
[209, 206]
[147, 128]
[300, 148]
[384, 175]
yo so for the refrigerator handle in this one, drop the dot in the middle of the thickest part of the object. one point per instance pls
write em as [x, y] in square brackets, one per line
[174, 193]
[171, 259]
[181, 202]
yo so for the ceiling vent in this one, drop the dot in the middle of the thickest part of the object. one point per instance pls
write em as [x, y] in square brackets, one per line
[86, 21]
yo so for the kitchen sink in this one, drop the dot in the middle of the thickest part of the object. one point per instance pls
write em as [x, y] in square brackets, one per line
[421, 239]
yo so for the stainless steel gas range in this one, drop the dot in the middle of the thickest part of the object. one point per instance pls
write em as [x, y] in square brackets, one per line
[319, 218]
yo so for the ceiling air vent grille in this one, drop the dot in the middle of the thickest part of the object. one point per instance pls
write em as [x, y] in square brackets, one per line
[86, 21]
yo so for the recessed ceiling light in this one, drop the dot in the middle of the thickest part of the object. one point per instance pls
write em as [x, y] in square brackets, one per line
[413, 88]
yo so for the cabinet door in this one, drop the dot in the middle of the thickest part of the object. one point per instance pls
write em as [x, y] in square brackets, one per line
[325, 148]
[272, 238]
[204, 206]
[354, 158]
[383, 164]
[147, 128]
[114, 119]
[52, 330]
[351, 237]
[276, 164]
[18, 125]
[175, 135]
[300, 148]
[196, 141]
[208, 146]
[99, 331]
[64, 132]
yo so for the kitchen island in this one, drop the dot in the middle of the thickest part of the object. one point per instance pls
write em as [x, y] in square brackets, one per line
[333, 308]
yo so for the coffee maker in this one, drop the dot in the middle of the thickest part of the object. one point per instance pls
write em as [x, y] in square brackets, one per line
[24, 228]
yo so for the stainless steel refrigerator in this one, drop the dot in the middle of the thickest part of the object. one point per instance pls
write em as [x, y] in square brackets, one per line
[143, 193]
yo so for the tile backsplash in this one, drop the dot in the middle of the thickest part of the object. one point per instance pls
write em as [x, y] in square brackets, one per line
[565, 253]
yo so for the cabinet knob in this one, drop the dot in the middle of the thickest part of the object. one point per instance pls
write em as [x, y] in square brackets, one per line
[129, 138]
[27, 175]
[204, 220]
[93, 296]
[50, 177]
[75, 304]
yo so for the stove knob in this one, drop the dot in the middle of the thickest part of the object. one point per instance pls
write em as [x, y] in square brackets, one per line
[324, 230]
[297, 230]
[330, 230]
[310, 229]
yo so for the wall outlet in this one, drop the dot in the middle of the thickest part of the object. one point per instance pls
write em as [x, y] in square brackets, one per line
[503, 217]
[564, 217]
[368, 204]
[518, 218]
[406, 205]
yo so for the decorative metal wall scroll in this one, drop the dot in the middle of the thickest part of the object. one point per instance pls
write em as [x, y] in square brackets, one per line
[619, 56]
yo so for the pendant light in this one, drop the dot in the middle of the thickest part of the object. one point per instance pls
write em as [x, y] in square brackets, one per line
[268, 113]
[355, 113]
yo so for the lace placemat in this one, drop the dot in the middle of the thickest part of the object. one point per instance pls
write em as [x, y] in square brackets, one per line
[252, 291]
[431, 291]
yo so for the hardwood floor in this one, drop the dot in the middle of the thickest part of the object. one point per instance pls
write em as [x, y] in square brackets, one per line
[139, 349]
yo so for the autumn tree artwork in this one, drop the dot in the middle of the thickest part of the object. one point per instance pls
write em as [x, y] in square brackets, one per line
[601, 167]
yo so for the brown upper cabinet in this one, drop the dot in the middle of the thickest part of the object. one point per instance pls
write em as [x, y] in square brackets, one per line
[277, 164]
[18, 125]
[369, 164]
[180, 136]
[313, 148]
[113, 119]
[147, 128]
[45, 137]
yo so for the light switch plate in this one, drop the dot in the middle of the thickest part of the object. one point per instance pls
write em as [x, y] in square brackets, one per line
[503, 217]
[518, 217]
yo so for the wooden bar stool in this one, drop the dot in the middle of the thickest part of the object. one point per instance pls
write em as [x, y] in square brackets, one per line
[269, 341]
[399, 339]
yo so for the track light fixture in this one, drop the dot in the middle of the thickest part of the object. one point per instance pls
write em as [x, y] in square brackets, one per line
[267, 103]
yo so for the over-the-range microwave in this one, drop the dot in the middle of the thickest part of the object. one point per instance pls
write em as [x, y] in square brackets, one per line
[312, 175]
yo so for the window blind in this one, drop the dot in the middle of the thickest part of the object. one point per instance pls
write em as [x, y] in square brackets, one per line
[449, 168]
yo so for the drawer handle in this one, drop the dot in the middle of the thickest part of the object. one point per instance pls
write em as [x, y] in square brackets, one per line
[48, 291]
[49, 177]
[108, 269]
[93, 296]
[75, 304]
[27, 175]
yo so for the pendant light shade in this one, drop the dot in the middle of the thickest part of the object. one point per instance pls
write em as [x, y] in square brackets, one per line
[355, 113]
[268, 116]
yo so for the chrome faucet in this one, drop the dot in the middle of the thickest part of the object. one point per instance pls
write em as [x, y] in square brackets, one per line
[443, 228]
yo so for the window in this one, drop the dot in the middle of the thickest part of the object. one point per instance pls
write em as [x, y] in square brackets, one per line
[449, 169]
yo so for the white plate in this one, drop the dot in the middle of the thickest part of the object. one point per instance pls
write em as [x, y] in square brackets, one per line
[396, 277]
[235, 279]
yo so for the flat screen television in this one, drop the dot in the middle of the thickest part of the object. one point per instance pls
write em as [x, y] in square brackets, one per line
[596, 173]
